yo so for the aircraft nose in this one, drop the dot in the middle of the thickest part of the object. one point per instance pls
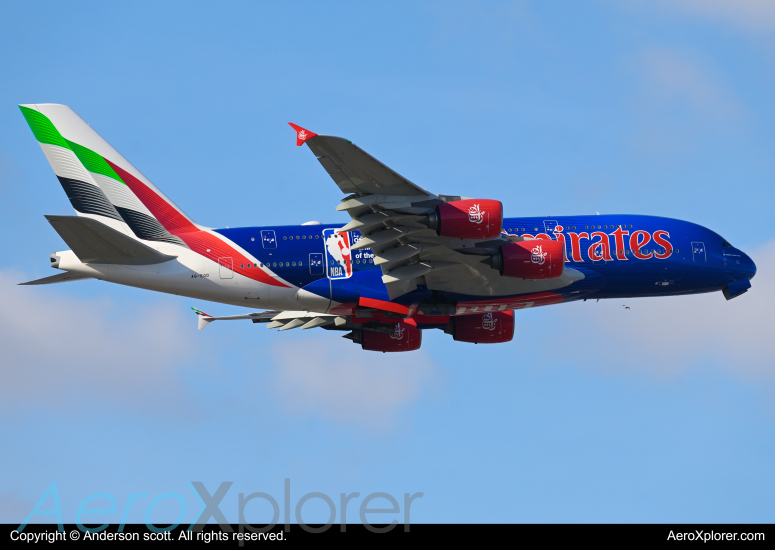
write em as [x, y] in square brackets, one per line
[747, 266]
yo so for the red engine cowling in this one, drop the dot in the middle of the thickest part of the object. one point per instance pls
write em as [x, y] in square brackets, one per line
[404, 338]
[533, 259]
[477, 219]
[485, 328]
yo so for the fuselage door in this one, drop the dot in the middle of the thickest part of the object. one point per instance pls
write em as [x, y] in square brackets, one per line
[549, 226]
[226, 268]
[316, 264]
[552, 228]
[698, 252]
[268, 238]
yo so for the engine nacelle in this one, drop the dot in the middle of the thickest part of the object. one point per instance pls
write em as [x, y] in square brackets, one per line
[405, 338]
[533, 259]
[476, 219]
[484, 328]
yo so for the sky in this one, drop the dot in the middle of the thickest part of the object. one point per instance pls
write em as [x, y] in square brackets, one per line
[661, 413]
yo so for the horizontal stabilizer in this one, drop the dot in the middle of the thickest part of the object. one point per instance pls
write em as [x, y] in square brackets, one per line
[257, 317]
[94, 242]
[58, 278]
[286, 319]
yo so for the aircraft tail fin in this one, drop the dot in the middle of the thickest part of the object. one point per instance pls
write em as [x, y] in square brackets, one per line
[101, 183]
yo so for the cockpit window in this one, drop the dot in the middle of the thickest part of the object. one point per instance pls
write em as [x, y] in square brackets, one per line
[725, 244]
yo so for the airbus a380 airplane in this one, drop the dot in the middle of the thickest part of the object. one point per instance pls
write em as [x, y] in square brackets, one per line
[409, 260]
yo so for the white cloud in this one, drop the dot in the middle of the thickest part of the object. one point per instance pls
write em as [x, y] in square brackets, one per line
[746, 15]
[336, 379]
[14, 508]
[68, 353]
[76, 354]
[680, 100]
[669, 336]
[505, 22]
[675, 77]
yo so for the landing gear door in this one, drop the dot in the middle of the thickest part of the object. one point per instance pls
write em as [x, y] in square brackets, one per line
[338, 259]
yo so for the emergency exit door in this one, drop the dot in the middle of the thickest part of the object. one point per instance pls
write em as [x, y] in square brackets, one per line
[226, 268]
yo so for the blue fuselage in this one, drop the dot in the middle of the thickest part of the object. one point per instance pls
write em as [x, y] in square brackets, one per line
[619, 255]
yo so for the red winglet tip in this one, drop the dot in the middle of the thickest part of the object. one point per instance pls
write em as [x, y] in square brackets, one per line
[302, 134]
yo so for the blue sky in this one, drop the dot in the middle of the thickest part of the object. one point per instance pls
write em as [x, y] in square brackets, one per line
[659, 413]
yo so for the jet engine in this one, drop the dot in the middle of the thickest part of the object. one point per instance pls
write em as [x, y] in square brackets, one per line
[405, 337]
[477, 219]
[531, 259]
[484, 328]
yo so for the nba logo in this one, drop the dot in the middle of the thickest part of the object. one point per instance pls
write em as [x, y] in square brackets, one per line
[338, 256]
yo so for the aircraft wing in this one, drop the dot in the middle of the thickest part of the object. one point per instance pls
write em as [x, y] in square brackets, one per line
[354, 170]
[390, 212]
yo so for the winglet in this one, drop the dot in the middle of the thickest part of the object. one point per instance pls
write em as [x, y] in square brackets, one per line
[204, 318]
[302, 135]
